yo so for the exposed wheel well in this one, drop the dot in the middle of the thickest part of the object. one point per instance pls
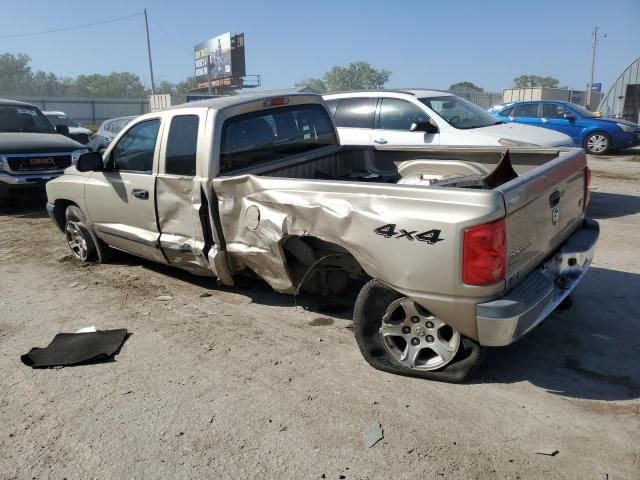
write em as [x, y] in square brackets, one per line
[322, 267]
[59, 209]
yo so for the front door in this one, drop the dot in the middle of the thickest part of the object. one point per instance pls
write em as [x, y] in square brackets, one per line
[121, 199]
[554, 117]
[393, 124]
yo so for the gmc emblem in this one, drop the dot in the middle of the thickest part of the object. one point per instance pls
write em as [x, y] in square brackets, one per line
[41, 161]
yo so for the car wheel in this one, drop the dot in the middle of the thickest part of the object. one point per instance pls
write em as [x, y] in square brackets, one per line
[399, 336]
[79, 238]
[597, 143]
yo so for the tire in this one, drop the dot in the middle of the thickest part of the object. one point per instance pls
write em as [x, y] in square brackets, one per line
[597, 143]
[385, 346]
[83, 243]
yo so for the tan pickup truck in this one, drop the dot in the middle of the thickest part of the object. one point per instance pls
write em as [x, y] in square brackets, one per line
[452, 248]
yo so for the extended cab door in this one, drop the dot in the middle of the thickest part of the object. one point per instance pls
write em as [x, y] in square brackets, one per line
[121, 200]
[393, 124]
[354, 119]
[181, 208]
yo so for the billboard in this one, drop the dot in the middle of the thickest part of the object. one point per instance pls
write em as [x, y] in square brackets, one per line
[215, 54]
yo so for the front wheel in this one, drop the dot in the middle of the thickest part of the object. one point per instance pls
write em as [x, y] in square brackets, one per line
[78, 236]
[399, 336]
[597, 143]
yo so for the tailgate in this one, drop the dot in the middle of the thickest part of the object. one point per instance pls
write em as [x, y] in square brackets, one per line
[543, 207]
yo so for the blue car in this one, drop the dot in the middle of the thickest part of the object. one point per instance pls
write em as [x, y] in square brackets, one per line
[595, 134]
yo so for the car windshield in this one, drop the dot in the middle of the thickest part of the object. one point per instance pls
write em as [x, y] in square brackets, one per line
[583, 111]
[18, 118]
[62, 120]
[459, 113]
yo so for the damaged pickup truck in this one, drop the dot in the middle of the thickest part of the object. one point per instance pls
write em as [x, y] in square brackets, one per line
[452, 248]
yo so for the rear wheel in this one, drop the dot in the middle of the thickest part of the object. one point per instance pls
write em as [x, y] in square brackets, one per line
[597, 143]
[399, 336]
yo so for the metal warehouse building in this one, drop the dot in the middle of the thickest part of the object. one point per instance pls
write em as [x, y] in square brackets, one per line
[623, 98]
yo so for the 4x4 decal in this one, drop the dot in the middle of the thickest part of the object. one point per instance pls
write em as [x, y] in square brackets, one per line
[389, 231]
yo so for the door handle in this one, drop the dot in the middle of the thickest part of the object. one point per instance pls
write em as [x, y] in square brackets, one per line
[554, 199]
[381, 141]
[140, 193]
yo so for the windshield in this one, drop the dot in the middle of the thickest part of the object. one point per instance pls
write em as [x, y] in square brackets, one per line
[62, 120]
[583, 111]
[14, 118]
[459, 113]
[259, 137]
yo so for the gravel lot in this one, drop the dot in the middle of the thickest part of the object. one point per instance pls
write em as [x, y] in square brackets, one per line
[244, 384]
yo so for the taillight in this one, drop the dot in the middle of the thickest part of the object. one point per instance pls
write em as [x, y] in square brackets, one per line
[586, 195]
[484, 252]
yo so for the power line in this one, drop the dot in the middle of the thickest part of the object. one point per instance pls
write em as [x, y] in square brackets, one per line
[14, 35]
[178, 42]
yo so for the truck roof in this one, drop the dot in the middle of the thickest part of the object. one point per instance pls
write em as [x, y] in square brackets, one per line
[417, 92]
[15, 103]
[234, 100]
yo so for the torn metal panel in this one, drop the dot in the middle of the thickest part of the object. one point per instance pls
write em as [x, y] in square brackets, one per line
[178, 209]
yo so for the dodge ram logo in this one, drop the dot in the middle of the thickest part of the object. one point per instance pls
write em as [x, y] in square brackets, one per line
[555, 214]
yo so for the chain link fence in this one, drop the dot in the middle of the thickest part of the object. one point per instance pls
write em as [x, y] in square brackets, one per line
[482, 99]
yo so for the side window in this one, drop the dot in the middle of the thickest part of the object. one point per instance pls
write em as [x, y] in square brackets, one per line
[529, 110]
[507, 112]
[106, 126]
[332, 105]
[356, 112]
[181, 145]
[399, 115]
[134, 152]
[549, 110]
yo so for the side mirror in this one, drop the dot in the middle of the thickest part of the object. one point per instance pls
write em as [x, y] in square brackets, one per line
[426, 127]
[568, 116]
[62, 130]
[90, 162]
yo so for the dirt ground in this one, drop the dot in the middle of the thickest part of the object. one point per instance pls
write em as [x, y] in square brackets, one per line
[244, 384]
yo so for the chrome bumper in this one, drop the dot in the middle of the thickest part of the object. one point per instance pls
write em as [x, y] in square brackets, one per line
[28, 180]
[507, 319]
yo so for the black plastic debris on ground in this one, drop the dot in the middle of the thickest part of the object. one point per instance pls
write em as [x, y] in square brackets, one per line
[69, 349]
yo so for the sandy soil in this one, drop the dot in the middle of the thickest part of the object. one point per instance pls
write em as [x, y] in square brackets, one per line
[244, 384]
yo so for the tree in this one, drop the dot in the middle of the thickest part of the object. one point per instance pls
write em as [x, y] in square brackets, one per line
[15, 73]
[465, 87]
[315, 84]
[535, 81]
[116, 84]
[357, 76]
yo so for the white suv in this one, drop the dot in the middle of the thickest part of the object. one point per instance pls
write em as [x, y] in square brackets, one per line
[432, 117]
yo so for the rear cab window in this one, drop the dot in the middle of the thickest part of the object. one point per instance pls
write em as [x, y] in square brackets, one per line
[268, 135]
[182, 142]
[356, 112]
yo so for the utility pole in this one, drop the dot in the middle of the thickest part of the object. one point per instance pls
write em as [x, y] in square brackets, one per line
[593, 62]
[146, 23]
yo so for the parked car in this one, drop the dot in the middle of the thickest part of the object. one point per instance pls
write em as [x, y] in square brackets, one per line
[597, 135]
[76, 131]
[32, 151]
[427, 117]
[455, 250]
[100, 140]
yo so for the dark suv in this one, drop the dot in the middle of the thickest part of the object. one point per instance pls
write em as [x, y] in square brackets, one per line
[32, 150]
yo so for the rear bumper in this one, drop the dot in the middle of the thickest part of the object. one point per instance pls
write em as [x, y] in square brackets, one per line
[507, 319]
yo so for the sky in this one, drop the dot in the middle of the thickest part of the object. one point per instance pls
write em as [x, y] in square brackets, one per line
[424, 43]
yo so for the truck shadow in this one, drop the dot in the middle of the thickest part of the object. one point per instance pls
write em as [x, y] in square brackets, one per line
[610, 205]
[259, 291]
[24, 207]
[588, 352]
